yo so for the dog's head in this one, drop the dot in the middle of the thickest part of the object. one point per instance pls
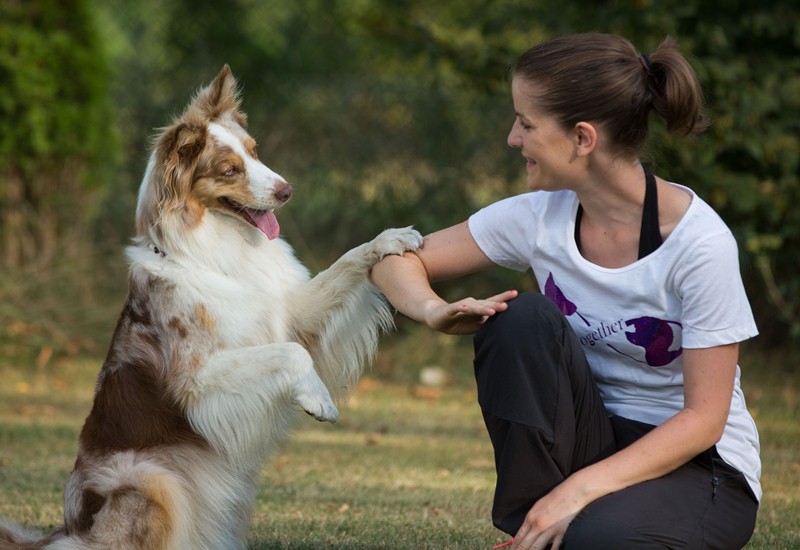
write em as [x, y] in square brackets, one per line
[205, 161]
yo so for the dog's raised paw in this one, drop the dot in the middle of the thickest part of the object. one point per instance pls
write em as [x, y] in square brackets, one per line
[320, 407]
[314, 398]
[396, 241]
[328, 414]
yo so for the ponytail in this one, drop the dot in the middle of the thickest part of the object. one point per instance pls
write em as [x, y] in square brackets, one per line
[677, 96]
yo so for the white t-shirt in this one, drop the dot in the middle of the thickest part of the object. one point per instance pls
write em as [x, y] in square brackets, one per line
[635, 321]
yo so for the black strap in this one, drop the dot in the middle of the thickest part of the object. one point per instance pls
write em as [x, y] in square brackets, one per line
[649, 233]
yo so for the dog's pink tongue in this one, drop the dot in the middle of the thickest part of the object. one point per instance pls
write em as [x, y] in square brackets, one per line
[266, 221]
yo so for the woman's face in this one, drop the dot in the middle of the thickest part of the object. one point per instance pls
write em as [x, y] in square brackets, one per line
[548, 149]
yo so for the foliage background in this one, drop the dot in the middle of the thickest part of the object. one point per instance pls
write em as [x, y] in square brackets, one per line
[381, 113]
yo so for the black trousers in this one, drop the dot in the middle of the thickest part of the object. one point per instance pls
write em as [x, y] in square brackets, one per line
[546, 420]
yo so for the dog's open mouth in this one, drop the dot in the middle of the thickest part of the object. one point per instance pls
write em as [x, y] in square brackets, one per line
[264, 220]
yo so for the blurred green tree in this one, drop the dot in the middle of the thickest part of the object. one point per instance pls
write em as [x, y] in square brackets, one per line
[748, 58]
[394, 113]
[56, 140]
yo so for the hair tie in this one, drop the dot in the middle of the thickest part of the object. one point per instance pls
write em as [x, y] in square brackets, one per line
[645, 61]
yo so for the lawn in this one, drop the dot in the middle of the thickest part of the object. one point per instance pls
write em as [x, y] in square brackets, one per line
[407, 466]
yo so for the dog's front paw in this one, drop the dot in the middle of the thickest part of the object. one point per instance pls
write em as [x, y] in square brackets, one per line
[396, 241]
[312, 395]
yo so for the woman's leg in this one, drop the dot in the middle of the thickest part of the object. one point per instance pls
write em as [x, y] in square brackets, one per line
[541, 406]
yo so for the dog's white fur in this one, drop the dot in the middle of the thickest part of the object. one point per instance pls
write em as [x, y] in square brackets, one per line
[223, 340]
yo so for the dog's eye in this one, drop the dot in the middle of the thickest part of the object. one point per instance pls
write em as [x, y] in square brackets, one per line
[232, 171]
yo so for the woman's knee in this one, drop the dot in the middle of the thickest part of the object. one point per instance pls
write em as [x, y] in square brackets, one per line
[520, 349]
[532, 304]
[529, 314]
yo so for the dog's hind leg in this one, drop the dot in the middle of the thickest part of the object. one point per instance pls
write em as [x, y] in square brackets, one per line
[239, 395]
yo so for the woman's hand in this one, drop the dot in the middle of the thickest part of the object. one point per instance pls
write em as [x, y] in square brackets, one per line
[447, 254]
[466, 316]
[547, 522]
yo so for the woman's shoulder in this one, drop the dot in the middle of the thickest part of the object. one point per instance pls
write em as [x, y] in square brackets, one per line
[690, 215]
[536, 201]
[674, 202]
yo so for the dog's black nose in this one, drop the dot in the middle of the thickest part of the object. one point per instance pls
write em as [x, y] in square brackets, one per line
[283, 191]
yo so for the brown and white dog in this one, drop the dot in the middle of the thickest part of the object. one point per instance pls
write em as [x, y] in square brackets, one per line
[223, 339]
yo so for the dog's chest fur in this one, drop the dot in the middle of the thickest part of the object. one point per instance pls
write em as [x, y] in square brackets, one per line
[238, 292]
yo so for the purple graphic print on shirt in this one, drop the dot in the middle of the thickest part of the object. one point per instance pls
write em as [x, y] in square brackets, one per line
[656, 337]
[552, 291]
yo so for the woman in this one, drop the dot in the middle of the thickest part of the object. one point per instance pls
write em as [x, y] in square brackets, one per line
[612, 400]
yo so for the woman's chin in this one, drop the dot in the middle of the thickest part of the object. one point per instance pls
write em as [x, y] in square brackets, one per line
[534, 184]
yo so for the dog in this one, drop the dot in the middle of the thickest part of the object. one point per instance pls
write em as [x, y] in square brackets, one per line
[223, 340]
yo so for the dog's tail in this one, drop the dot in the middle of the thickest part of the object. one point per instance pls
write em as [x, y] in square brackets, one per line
[13, 537]
[142, 506]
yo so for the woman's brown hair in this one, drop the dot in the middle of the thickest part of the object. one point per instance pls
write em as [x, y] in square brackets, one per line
[601, 78]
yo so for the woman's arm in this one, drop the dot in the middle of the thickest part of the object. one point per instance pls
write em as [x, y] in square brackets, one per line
[709, 376]
[446, 254]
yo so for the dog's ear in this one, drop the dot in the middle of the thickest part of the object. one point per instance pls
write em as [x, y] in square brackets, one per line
[177, 151]
[216, 99]
[170, 176]
[224, 88]
[188, 140]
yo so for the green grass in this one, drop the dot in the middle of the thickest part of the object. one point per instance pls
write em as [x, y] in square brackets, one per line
[404, 468]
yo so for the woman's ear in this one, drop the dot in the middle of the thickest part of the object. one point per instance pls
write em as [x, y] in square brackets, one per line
[586, 138]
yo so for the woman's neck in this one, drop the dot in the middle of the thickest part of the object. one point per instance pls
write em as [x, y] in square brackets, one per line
[612, 214]
[614, 197]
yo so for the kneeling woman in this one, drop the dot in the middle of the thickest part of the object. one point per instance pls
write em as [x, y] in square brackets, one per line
[612, 398]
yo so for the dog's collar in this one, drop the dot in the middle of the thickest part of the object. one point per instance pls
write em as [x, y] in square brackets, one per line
[157, 250]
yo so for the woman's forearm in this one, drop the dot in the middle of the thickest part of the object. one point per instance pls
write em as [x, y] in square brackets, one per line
[661, 451]
[404, 282]
[708, 385]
